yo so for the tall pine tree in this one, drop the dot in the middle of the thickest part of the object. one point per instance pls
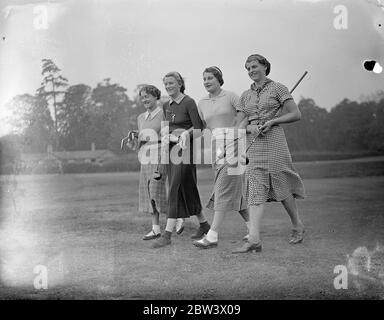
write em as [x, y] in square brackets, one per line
[52, 89]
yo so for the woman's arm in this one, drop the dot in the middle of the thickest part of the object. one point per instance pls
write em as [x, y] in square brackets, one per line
[197, 122]
[292, 114]
[241, 120]
[202, 120]
[201, 116]
[180, 135]
[243, 123]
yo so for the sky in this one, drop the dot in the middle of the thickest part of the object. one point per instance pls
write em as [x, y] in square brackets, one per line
[139, 41]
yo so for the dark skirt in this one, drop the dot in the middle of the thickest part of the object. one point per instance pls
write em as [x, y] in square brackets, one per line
[183, 195]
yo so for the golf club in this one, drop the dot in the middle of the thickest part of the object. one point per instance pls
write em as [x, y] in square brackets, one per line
[132, 134]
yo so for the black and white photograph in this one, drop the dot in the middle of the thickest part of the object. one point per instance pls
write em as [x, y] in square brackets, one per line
[209, 152]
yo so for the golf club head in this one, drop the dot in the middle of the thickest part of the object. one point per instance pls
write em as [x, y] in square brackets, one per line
[122, 144]
[134, 134]
[131, 136]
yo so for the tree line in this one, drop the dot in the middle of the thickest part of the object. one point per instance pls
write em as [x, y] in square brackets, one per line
[350, 126]
[69, 117]
[72, 117]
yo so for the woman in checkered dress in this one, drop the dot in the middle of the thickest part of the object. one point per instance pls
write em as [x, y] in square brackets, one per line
[270, 173]
[152, 193]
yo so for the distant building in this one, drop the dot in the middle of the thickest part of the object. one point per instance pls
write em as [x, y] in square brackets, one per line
[85, 156]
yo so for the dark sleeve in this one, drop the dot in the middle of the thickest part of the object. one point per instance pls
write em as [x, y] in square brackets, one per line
[163, 107]
[197, 123]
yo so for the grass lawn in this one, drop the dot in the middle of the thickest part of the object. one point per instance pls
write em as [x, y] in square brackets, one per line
[86, 230]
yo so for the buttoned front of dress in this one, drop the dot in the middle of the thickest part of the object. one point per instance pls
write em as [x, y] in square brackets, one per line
[265, 102]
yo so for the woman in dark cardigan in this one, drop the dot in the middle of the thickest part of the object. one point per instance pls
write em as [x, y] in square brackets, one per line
[183, 196]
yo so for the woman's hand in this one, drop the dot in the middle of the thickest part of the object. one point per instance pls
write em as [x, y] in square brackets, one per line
[130, 144]
[266, 127]
[131, 140]
[253, 128]
[183, 140]
[165, 140]
[133, 144]
[173, 138]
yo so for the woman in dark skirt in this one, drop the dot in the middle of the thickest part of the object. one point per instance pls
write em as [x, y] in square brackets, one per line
[270, 173]
[183, 196]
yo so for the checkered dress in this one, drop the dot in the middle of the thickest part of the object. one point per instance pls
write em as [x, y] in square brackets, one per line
[270, 173]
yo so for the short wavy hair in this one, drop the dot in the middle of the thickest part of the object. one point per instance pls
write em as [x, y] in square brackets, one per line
[216, 73]
[150, 89]
[178, 78]
[262, 60]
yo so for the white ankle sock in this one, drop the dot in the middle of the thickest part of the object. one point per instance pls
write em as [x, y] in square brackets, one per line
[248, 224]
[156, 228]
[171, 223]
[212, 236]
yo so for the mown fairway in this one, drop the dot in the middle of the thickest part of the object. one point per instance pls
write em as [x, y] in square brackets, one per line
[86, 230]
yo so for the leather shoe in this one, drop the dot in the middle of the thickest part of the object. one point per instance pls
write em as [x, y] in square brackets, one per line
[179, 231]
[204, 243]
[248, 247]
[297, 236]
[201, 232]
[161, 242]
[151, 235]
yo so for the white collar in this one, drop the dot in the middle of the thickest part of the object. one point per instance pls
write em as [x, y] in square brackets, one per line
[221, 94]
[152, 114]
[178, 99]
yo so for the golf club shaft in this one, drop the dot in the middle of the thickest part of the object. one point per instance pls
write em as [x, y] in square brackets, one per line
[298, 82]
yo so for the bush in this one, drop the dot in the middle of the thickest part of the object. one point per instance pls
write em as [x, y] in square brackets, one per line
[6, 168]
